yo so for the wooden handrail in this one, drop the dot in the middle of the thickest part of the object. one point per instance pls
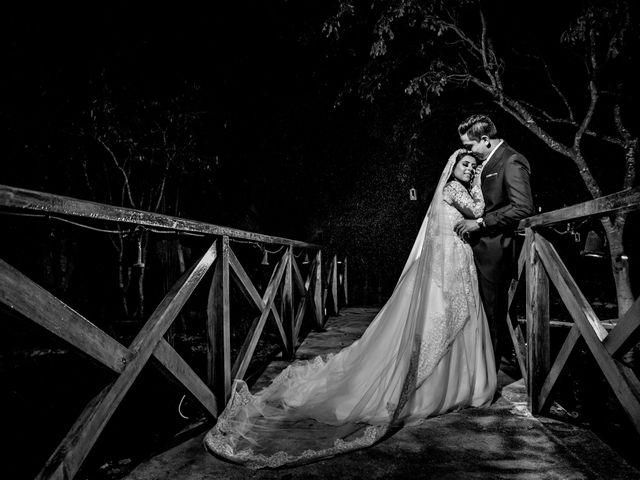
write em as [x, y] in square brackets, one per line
[23, 199]
[297, 295]
[625, 200]
[543, 266]
[622, 380]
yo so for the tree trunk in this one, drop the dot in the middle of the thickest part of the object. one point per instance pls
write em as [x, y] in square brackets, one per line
[619, 264]
[613, 227]
[123, 281]
[141, 264]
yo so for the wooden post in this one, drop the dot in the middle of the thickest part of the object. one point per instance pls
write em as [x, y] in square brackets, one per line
[288, 314]
[334, 284]
[345, 283]
[318, 304]
[538, 349]
[219, 326]
[515, 331]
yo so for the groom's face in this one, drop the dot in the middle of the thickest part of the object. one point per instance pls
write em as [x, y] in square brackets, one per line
[480, 147]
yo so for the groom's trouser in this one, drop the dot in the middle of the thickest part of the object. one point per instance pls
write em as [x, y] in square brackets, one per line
[495, 298]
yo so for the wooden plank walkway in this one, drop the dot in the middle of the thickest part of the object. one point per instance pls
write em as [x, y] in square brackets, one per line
[500, 442]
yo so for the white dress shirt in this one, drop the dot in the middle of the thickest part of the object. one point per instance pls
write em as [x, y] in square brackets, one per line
[486, 162]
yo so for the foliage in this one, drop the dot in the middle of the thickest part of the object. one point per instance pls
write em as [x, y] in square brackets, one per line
[136, 152]
[567, 83]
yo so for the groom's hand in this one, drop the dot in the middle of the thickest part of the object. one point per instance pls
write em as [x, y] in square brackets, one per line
[464, 227]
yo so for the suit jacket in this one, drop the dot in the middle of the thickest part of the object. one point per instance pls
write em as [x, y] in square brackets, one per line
[508, 199]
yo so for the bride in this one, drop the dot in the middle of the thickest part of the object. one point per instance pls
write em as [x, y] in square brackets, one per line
[427, 352]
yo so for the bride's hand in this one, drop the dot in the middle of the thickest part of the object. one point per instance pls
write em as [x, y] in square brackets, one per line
[475, 181]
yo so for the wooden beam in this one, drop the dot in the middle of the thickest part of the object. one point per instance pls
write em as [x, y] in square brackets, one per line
[334, 284]
[538, 346]
[577, 305]
[51, 313]
[288, 313]
[251, 341]
[251, 293]
[25, 296]
[625, 334]
[345, 281]
[548, 388]
[181, 373]
[243, 282]
[327, 286]
[219, 327]
[302, 309]
[307, 298]
[276, 314]
[297, 278]
[617, 374]
[625, 200]
[66, 460]
[318, 296]
[515, 331]
[46, 202]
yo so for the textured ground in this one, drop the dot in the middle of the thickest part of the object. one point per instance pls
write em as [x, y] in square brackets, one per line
[500, 442]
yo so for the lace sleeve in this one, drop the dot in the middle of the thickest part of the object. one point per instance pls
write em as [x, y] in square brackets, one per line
[470, 204]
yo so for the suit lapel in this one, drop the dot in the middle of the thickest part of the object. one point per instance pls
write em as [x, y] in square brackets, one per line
[494, 162]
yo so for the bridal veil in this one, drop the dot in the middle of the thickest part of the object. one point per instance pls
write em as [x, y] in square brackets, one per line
[416, 359]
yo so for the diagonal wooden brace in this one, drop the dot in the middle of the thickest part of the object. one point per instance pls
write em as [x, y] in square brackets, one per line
[34, 302]
[626, 333]
[622, 380]
[246, 352]
[74, 448]
[245, 284]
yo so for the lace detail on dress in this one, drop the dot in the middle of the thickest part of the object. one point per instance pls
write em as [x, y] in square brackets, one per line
[289, 373]
[453, 258]
[325, 406]
[220, 440]
[456, 195]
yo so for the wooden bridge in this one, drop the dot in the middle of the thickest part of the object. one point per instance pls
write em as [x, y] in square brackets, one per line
[501, 442]
[296, 294]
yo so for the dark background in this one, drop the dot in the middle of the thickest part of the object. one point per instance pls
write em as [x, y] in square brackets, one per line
[283, 142]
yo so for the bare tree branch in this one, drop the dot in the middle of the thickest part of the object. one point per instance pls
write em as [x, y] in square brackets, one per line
[544, 116]
[87, 180]
[553, 84]
[631, 149]
[125, 176]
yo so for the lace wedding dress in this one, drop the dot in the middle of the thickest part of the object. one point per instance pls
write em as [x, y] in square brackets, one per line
[428, 351]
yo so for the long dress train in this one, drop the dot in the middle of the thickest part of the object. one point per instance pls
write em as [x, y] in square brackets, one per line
[428, 351]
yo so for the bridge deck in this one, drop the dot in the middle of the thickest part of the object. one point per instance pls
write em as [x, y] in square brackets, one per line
[500, 442]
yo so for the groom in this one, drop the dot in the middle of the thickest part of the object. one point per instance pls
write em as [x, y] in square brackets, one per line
[507, 194]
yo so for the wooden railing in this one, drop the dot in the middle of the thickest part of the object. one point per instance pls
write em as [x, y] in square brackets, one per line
[317, 293]
[540, 265]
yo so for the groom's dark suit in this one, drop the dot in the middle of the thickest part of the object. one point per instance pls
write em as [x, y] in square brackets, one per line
[507, 195]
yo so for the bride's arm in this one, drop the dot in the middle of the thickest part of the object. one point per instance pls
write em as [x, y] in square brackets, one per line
[470, 204]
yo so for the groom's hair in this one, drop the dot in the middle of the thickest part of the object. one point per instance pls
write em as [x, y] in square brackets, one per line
[476, 126]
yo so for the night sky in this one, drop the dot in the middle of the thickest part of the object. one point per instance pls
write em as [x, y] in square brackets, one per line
[279, 138]
[285, 140]
[263, 78]
[255, 74]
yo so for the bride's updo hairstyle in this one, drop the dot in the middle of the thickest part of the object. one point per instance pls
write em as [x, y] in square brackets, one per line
[476, 126]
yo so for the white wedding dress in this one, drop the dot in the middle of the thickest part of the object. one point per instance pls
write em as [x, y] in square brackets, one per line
[428, 351]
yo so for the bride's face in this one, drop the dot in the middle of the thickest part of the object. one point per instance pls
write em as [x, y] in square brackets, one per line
[465, 169]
